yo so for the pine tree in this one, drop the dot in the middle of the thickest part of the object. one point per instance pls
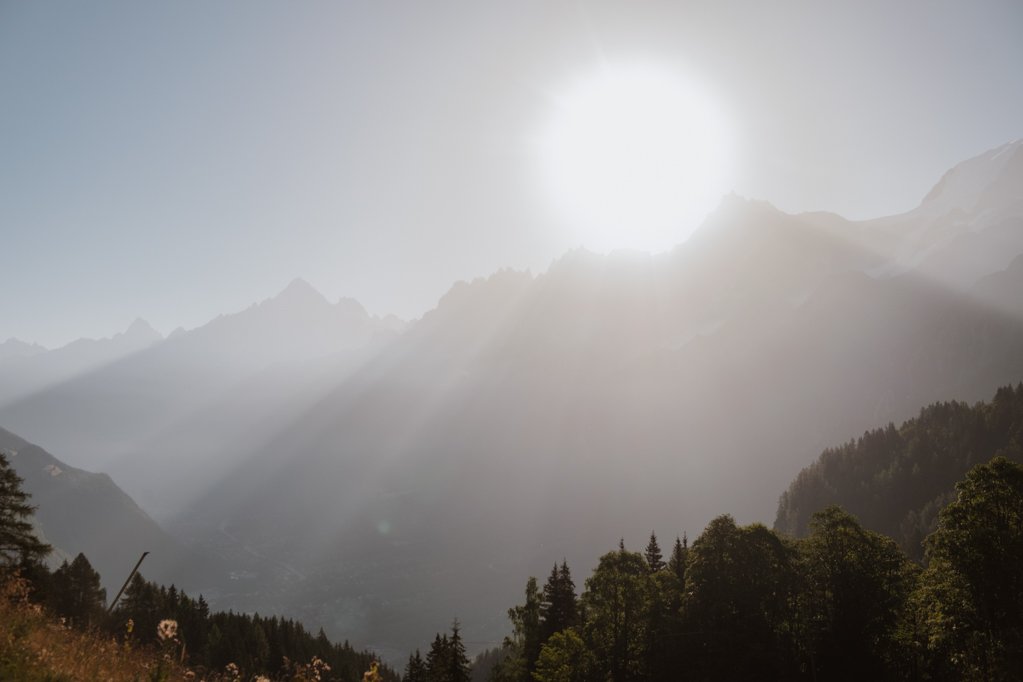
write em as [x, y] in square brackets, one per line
[458, 662]
[653, 556]
[18, 541]
[76, 593]
[437, 659]
[415, 671]
[677, 562]
[141, 605]
[559, 607]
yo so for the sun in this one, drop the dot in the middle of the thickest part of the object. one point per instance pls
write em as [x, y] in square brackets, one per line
[634, 157]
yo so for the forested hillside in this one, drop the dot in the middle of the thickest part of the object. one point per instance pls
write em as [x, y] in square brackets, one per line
[749, 603]
[897, 480]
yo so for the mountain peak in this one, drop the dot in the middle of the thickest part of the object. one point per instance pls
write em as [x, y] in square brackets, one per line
[300, 290]
[964, 185]
[12, 348]
[351, 306]
[139, 325]
[140, 329]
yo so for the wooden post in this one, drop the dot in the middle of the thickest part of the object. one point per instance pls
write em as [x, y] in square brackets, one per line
[125, 585]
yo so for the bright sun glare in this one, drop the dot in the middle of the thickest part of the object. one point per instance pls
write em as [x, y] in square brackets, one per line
[635, 157]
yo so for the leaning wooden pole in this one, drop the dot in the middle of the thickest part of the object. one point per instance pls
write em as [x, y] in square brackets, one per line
[125, 585]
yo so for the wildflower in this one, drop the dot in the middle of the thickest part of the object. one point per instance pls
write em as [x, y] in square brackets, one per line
[129, 626]
[233, 671]
[373, 674]
[318, 666]
[167, 630]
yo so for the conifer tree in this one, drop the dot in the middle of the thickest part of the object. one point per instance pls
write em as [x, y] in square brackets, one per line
[654, 558]
[559, 606]
[18, 541]
[76, 593]
[415, 670]
[458, 662]
[677, 562]
[437, 665]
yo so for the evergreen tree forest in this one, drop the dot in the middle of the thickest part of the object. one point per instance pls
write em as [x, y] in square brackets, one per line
[895, 480]
[446, 661]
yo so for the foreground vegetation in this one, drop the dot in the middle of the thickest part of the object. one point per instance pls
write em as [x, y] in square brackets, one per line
[54, 625]
[35, 647]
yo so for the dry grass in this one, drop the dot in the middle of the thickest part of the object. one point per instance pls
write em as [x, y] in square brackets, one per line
[35, 648]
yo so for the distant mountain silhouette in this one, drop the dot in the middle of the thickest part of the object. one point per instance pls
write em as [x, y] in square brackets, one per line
[15, 348]
[25, 368]
[196, 397]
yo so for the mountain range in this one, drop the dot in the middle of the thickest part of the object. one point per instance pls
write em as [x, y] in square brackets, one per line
[379, 477]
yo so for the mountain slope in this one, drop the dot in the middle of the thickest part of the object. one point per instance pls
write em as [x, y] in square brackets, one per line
[968, 226]
[80, 511]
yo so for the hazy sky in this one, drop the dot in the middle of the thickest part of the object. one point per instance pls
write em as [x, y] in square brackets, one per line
[178, 160]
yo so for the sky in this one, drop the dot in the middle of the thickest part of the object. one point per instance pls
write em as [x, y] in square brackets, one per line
[175, 161]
